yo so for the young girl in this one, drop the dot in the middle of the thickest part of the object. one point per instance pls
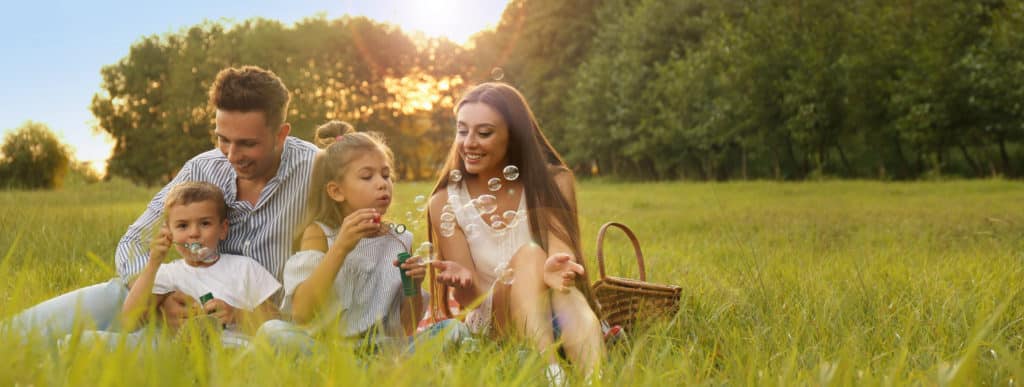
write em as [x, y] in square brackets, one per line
[517, 254]
[343, 276]
[327, 133]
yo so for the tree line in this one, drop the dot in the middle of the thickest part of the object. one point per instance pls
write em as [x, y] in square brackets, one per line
[635, 89]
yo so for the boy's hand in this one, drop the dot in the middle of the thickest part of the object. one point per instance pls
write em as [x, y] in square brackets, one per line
[177, 307]
[560, 271]
[357, 225]
[221, 311]
[160, 244]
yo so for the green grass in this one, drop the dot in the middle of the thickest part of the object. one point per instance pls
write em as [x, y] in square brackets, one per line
[847, 283]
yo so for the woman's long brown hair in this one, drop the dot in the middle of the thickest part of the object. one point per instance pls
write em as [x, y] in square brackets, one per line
[538, 163]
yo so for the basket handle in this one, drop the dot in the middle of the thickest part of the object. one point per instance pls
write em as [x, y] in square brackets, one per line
[632, 238]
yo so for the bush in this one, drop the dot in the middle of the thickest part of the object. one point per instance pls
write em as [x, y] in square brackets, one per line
[32, 157]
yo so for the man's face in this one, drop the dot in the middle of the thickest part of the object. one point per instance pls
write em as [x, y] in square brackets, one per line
[249, 144]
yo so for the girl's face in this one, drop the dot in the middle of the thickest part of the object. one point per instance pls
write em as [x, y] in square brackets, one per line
[365, 183]
[481, 139]
[196, 222]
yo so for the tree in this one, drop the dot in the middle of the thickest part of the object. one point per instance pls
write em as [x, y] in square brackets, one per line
[32, 157]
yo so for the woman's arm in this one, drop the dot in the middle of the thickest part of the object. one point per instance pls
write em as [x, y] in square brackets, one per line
[562, 265]
[454, 251]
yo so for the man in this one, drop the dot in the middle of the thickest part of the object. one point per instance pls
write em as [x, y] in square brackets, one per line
[264, 174]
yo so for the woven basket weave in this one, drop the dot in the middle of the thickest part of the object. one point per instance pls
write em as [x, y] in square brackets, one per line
[626, 301]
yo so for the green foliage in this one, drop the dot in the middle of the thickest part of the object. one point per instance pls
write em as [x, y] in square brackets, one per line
[31, 157]
[839, 283]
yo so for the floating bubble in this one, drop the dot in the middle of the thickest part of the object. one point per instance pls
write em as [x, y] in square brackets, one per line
[447, 233]
[421, 203]
[494, 184]
[472, 231]
[447, 208]
[509, 216]
[504, 274]
[511, 172]
[455, 175]
[409, 216]
[447, 226]
[495, 218]
[199, 253]
[497, 74]
[486, 204]
[425, 252]
[447, 217]
[499, 225]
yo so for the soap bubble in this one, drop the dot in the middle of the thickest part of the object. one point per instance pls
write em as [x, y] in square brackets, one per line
[511, 172]
[497, 74]
[509, 216]
[447, 208]
[504, 274]
[472, 231]
[499, 225]
[455, 175]
[447, 226]
[425, 252]
[409, 216]
[447, 217]
[199, 253]
[494, 184]
[448, 233]
[421, 203]
[495, 218]
[486, 204]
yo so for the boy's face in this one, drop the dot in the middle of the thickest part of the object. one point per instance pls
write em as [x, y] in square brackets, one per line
[196, 222]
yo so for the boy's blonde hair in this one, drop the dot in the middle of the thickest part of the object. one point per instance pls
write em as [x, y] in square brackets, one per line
[196, 191]
[330, 165]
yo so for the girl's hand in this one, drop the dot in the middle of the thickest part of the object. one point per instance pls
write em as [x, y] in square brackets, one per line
[160, 244]
[220, 310]
[453, 274]
[357, 225]
[560, 271]
[413, 268]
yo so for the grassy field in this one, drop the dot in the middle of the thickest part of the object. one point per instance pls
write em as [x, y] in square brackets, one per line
[846, 283]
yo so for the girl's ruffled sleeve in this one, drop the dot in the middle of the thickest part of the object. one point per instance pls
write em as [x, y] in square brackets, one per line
[298, 267]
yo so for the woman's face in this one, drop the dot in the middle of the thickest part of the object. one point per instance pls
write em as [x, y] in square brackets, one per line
[481, 139]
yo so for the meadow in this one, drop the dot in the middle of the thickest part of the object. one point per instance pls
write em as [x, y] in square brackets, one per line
[835, 282]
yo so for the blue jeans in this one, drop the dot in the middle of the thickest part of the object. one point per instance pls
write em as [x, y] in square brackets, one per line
[96, 306]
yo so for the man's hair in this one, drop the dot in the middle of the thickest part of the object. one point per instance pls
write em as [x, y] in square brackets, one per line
[248, 89]
[196, 191]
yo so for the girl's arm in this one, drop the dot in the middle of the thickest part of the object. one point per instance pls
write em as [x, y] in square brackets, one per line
[312, 293]
[457, 269]
[140, 298]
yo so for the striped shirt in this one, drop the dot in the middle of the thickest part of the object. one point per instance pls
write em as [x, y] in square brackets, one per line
[263, 231]
[367, 290]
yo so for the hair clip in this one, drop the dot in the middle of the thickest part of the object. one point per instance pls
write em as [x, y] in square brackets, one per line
[338, 138]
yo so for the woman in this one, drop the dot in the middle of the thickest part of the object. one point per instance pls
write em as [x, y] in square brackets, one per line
[540, 288]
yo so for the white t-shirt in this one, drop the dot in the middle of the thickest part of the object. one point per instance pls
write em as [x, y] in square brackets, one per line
[239, 281]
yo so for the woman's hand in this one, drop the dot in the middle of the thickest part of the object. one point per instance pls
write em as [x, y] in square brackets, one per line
[453, 274]
[560, 271]
[220, 310]
[357, 225]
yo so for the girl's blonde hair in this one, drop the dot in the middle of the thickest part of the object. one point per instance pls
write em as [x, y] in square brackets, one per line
[331, 164]
[329, 132]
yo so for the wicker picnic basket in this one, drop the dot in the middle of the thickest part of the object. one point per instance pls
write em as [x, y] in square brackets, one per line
[626, 301]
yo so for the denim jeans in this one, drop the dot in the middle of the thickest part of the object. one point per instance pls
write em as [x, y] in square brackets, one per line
[96, 307]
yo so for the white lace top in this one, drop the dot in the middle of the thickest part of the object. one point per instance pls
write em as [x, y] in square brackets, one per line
[491, 247]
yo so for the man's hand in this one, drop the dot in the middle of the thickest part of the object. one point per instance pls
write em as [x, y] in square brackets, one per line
[560, 271]
[177, 307]
[219, 309]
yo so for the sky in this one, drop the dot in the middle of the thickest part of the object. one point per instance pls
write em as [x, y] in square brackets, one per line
[53, 50]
